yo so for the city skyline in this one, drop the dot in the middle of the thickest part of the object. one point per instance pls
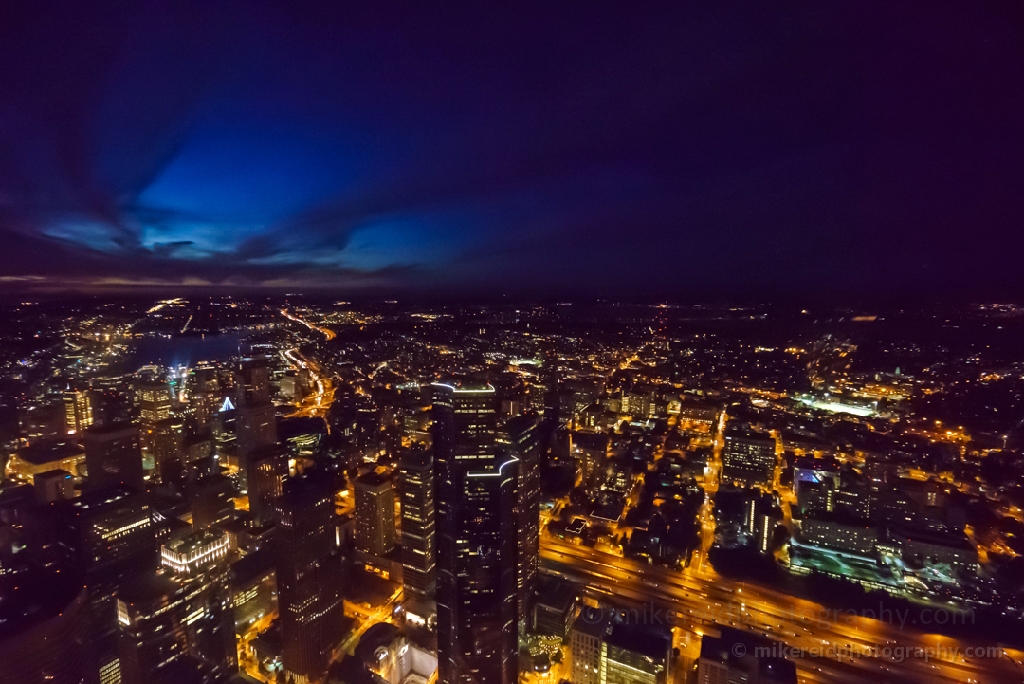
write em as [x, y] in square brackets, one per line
[209, 489]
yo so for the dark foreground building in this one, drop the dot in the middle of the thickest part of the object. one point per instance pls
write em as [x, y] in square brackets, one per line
[309, 576]
[476, 531]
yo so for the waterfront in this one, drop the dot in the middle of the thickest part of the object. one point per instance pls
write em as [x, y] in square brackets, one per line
[184, 349]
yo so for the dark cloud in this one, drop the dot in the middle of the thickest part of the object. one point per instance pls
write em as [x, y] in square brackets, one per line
[677, 152]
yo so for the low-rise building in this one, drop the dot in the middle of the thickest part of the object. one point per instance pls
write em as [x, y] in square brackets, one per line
[839, 532]
[738, 656]
[46, 455]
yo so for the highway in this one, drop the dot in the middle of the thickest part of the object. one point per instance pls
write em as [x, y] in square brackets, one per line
[326, 332]
[699, 601]
[318, 403]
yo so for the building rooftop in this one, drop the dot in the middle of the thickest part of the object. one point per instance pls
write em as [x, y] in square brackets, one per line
[147, 588]
[647, 640]
[110, 430]
[592, 622]
[374, 479]
[463, 385]
[252, 566]
[48, 451]
[555, 594]
[723, 649]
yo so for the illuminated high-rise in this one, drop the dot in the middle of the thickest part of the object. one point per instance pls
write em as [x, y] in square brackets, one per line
[182, 614]
[255, 417]
[77, 411]
[419, 525]
[475, 490]
[521, 438]
[748, 456]
[154, 399]
[375, 514]
[165, 439]
[205, 395]
[45, 636]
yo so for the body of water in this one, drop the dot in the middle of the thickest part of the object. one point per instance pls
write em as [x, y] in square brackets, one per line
[185, 349]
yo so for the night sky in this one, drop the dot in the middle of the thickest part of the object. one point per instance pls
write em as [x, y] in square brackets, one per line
[573, 149]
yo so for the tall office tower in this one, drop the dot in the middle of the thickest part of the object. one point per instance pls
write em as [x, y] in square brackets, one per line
[113, 457]
[110, 407]
[253, 588]
[165, 438]
[180, 618]
[107, 536]
[266, 470]
[204, 394]
[309, 576]
[154, 401]
[419, 534]
[881, 473]
[375, 514]
[256, 427]
[521, 438]
[252, 382]
[77, 411]
[255, 418]
[476, 584]
[610, 649]
[210, 497]
[748, 457]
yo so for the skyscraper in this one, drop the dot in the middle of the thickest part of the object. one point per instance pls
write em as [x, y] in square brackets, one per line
[612, 649]
[210, 499]
[252, 382]
[255, 417]
[181, 613]
[419, 532]
[154, 400]
[476, 587]
[521, 437]
[309, 576]
[204, 394]
[108, 537]
[113, 457]
[77, 411]
[266, 469]
[375, 514]
[165, 438]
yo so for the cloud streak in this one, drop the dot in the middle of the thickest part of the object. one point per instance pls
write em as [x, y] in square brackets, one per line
[691, 151]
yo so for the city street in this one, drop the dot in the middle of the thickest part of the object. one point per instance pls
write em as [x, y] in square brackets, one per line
[700, 602]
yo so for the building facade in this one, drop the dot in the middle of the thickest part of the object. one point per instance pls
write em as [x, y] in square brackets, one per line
[309, 576]
[375, 514]
[476, 500]
[419, 532]
[521, 437]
